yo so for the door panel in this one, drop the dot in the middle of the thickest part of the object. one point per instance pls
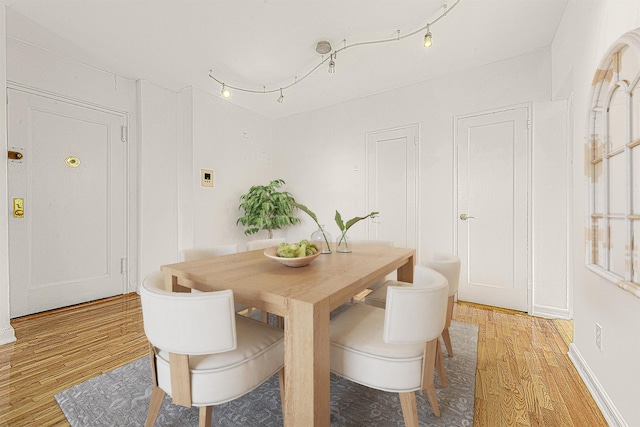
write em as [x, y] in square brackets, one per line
[68, 246]
[392, 185]
[492, 164]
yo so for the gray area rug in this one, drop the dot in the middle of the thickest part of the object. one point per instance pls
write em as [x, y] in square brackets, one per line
[121, 398]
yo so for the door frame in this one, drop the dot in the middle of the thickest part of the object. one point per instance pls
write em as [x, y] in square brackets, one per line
[529, 107]
[129, 283]
[417, 174]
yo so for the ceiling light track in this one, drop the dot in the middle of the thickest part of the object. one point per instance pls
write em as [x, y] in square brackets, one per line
[325, 47]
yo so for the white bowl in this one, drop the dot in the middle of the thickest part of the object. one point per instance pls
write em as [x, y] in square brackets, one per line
[272, 253]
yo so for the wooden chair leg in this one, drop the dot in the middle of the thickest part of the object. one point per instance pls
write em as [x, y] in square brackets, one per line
[265, 317]
[409, 409]
[428, 368]
[280, 322]
[442, 375]
[281, 383]
[445, 333]
[155, 403]
[205, 416]
[447, 341]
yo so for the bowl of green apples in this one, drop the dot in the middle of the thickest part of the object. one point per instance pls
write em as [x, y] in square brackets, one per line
[294, 254]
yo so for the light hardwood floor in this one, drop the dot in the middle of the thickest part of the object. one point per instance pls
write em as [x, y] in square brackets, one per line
[523, 378]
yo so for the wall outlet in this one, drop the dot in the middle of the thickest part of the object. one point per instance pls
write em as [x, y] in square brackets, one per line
[599, 336]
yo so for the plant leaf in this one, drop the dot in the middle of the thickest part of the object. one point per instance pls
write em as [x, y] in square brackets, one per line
[339, 222]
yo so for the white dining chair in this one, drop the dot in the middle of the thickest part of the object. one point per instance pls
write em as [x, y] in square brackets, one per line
[202, 353]
[395, 349]
[264, 243]
[195, 254]
[445, 263]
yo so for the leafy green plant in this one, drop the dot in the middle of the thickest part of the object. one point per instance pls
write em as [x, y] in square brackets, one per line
[345, 227]
[313, 216]
[265, 208]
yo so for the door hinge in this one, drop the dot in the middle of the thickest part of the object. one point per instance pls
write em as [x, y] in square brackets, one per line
[415, 140]
[123, 133]
[123, 265]
[528, 123]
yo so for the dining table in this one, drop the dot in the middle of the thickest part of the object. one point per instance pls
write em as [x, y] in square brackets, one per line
[304, 297]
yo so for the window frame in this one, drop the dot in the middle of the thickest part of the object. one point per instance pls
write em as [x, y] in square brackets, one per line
[600, 150]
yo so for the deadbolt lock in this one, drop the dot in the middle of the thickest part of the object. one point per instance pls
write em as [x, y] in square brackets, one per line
[14, 155]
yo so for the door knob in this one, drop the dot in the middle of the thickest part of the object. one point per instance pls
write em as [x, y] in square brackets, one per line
[465, 217]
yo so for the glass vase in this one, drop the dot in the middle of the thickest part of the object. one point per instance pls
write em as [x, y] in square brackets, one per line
[343, 243]
[322, 239]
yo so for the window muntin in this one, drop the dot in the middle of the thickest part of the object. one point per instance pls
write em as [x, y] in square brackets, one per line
[614, 165]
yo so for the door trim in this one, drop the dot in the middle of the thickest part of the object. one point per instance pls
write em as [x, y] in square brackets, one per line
[529, 107]
[417, 173]
[129, 283]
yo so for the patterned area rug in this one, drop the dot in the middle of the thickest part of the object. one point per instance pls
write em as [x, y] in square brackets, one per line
[121, 398]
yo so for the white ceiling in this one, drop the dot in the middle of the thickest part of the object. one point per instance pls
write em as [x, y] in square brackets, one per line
[256, 43]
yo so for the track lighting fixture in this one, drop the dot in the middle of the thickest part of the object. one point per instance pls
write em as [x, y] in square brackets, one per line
[427, 37]
[323, 47]
[225, 92]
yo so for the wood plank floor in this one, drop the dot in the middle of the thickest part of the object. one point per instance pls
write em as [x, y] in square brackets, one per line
[523, 378]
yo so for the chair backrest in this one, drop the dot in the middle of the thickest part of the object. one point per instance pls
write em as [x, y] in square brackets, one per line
[416, 313]
[187, 323]
[371, 242]
[195, 254]
[449, 266]
[264, 243]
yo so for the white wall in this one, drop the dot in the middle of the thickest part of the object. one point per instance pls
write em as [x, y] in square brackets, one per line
[158, 177]
[236, 144]
[317, 154]
[613, 374]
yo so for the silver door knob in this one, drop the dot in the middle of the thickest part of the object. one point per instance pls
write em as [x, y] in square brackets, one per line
[464, 217]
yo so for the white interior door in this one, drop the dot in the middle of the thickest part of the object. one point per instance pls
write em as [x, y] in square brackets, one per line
[392, 185]
[492, 242]
[68, 246]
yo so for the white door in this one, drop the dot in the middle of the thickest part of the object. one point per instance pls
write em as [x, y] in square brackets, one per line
[392, 185]
[492, 231]
[68, 245]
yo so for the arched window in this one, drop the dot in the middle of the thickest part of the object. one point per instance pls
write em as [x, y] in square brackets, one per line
[613, 165]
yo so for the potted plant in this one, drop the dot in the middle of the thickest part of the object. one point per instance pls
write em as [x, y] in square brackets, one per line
[343, 240]
[266, 208]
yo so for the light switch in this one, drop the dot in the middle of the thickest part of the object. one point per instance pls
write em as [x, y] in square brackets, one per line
[206, 177]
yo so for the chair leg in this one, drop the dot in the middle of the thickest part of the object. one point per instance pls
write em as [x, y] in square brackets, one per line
[409, 409]
[155, 403]
[428, 367]
[265, 317]
[447, 341]
[442, 375]
[205, 416]
[280, 322]
[281, 383]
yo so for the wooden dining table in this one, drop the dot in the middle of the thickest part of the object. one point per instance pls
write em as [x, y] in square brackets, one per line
[304, 297]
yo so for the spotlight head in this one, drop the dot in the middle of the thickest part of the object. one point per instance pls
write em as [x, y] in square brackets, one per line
[332, 65]
[427, 39]
[281, 97]
[225, 92]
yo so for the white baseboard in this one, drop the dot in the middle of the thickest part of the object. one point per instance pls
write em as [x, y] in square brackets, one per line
[550, 312]
[608, 409]
[7, 335]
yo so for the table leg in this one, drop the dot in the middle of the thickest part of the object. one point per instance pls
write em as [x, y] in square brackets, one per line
[307, 365]
[405, 272]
